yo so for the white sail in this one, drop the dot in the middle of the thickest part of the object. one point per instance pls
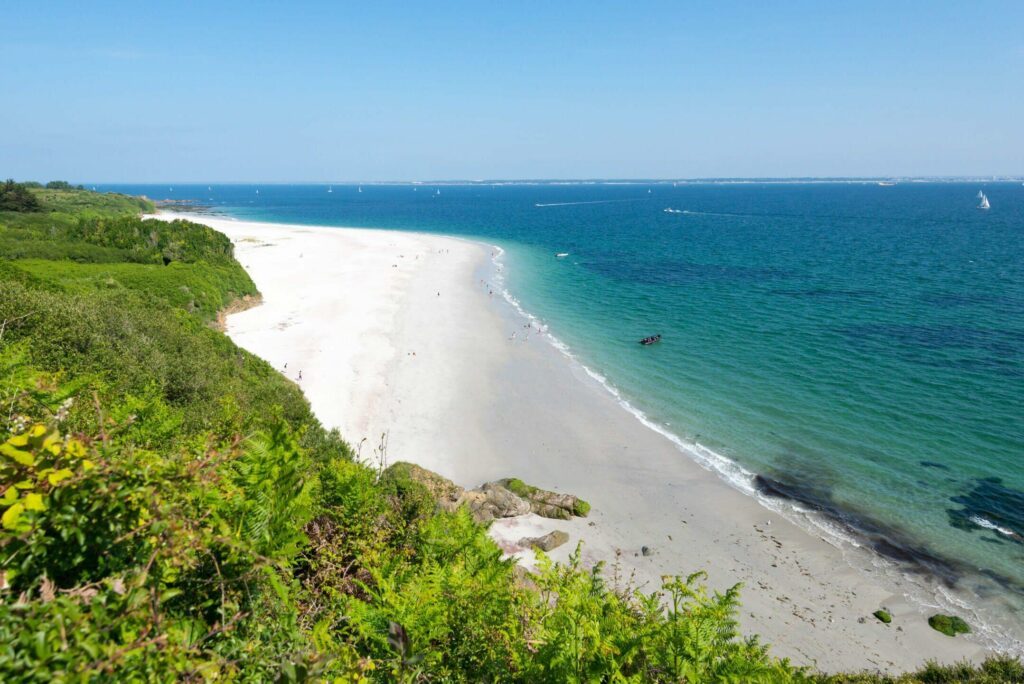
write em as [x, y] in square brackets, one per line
[984, 202]
[980, 194]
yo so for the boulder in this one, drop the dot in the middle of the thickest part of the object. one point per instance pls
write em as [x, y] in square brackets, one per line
[548, 504]
[551, 540]
[494, 501]
[502, 499]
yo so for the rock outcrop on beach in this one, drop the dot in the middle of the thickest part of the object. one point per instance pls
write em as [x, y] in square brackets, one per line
[492, 500]
[548, 504]
[506, 498]
[551, 540]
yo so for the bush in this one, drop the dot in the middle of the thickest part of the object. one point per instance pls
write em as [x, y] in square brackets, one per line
[130, 343]
[17, 197]
[950, 625]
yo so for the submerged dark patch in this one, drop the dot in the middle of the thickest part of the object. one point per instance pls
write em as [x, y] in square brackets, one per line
[884, 540]
[678, 272]
[933, 464]
[828, 293]
[990, 504]
[986, 350]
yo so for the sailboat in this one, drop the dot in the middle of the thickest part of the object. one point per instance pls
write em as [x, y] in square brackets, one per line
[330, 188]
[438, 192]
[984, 201]
[360, 188]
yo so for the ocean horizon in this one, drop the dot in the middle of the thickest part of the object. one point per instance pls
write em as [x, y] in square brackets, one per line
[847, 348]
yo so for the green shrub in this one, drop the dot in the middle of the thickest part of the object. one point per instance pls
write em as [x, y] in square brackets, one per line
[130, 343]
[950, 625]
[883, 616]
[17, 197]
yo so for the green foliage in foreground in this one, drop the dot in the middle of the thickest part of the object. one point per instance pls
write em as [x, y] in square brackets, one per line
[995, 670]
[256, 557]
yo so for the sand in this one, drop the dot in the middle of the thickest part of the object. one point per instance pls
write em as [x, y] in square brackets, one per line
[401, 345]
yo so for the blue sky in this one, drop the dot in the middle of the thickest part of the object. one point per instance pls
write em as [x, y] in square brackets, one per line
[373, 91]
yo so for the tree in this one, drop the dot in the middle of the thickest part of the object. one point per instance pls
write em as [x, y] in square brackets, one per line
[17, 197]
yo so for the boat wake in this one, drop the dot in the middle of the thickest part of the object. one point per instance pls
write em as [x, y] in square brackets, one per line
[569, 204]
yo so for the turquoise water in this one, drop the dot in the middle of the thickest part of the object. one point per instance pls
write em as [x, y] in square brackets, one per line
[860, 347]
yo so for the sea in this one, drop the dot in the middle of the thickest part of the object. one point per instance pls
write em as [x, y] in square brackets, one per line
[849, 351]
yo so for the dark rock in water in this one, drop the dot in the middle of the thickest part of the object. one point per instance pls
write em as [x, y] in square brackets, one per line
[933, 464]
[992, 506]
[646, 550]
[883, 616]
[551, 540]
[950, 625]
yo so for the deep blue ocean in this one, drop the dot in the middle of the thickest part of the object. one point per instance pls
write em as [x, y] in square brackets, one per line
[860, 347]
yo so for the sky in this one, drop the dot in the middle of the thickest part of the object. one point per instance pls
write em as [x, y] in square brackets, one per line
[330, 91]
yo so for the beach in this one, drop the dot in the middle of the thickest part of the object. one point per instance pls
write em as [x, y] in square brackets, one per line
[404, 343]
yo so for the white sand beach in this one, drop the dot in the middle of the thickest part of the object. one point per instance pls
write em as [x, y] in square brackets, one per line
[397, 334]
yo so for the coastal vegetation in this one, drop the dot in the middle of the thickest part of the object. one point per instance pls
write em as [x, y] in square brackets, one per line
[172, 509]
[950, 625]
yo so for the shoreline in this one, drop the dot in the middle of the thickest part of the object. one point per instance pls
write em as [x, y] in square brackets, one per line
[458, 404]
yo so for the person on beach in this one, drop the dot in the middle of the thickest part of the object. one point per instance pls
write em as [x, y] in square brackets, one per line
[300, 376]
